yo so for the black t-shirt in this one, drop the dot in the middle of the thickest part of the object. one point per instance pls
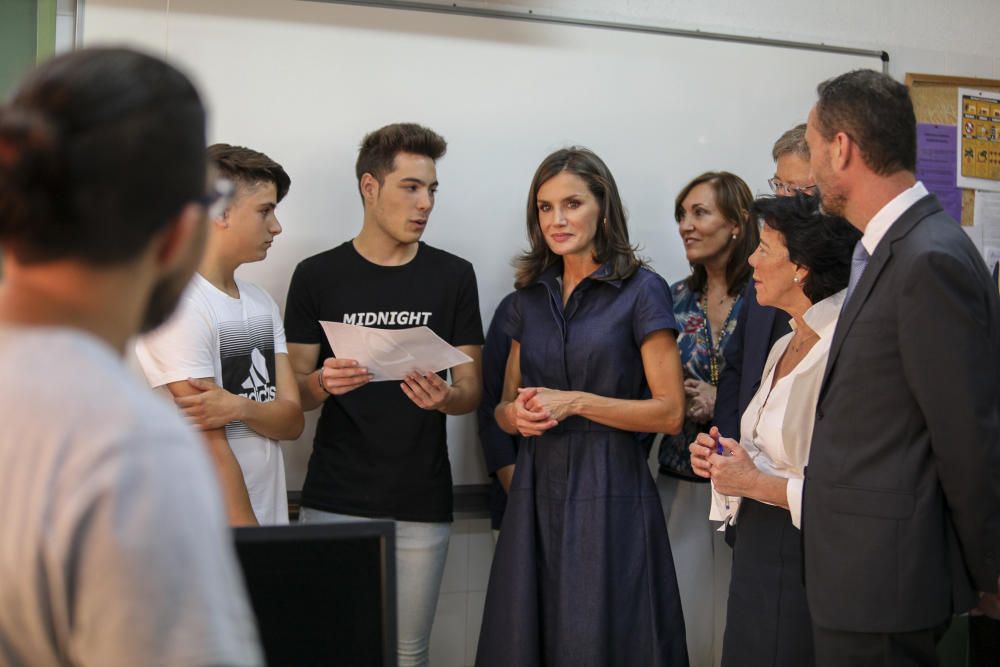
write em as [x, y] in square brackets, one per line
[375, 453]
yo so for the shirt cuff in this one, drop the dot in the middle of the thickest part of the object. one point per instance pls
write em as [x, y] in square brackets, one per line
[793, 492]
[723, 508]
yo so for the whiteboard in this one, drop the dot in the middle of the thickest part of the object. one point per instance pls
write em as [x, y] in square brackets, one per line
[304, 81]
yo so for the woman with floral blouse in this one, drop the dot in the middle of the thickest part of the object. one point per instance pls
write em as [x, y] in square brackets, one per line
[713, 221]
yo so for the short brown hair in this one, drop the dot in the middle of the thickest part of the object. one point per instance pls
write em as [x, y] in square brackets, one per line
[733, 197]
[379, 149]
[792, 141]
[876, 112]
[247, 167]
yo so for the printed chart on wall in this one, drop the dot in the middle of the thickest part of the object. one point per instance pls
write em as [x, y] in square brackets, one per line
[987, 217]
[979, 134]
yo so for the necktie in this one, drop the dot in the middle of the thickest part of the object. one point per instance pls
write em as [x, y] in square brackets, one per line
[859, 260]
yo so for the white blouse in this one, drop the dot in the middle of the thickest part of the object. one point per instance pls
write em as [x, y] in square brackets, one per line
[776, 429]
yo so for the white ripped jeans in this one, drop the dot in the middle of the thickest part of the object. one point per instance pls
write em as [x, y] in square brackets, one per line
[421, 549]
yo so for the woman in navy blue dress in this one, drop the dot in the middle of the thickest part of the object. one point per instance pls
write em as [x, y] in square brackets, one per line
[582, 573]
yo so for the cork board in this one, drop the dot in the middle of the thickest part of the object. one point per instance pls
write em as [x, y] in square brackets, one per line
[934, 101]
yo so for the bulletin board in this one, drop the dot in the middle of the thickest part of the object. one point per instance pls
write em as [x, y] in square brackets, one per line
[934, 101]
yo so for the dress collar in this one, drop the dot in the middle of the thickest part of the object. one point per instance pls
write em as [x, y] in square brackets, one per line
[552, 276]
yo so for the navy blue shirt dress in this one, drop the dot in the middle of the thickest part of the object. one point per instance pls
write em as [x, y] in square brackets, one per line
[582, 573]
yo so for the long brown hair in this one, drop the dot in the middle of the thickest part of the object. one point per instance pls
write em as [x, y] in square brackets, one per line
[611, 244]
[733, 198]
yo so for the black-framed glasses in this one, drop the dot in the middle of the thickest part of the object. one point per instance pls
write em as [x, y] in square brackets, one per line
[779, 187]
[218, 198]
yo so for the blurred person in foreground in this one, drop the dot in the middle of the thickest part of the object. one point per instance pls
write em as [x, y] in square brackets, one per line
[114, 549]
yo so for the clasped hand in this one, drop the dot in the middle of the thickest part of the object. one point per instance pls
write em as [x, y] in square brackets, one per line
[732, 473]
[700, 404]
[537, 409]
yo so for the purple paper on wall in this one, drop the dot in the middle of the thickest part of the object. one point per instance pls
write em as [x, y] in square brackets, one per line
[936, 165]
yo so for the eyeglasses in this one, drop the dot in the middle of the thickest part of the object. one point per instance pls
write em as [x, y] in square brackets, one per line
[779, 187]
[218, 198]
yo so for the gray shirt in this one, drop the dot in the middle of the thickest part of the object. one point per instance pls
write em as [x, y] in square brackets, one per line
[114, 548]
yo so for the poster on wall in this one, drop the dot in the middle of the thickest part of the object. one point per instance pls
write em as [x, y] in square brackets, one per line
[978, 133]
[936, 148]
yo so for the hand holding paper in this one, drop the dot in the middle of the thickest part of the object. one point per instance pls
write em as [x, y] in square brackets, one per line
[392, 354]
[426, 390]
[340, 376]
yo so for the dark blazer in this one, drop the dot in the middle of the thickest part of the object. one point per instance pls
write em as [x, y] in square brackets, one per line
[499, 448]
[757, 329]
[901, 509]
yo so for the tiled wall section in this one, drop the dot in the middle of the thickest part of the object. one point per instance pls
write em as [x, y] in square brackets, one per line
[463, 594]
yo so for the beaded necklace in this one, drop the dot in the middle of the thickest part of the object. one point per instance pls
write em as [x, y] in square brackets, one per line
[705, 334]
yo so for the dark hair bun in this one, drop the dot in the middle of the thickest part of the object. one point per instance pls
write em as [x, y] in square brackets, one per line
[29, 172]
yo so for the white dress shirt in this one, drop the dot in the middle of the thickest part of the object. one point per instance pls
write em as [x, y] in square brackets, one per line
[888, 214]
[776, 429]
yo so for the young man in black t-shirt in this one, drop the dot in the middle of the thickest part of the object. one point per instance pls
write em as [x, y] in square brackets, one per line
[380, 449]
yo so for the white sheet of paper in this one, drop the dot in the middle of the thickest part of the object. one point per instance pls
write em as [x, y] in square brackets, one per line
[991, 254]
[389, 354]
[986, 216]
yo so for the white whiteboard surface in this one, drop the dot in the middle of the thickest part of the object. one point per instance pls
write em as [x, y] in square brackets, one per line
[304, 81]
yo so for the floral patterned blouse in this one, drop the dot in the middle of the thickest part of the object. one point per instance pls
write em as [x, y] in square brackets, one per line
[694, 341]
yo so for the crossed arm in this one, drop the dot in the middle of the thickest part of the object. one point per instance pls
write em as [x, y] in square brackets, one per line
[210, 407]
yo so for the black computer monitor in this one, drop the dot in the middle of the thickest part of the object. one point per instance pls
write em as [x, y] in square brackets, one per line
[323, 594]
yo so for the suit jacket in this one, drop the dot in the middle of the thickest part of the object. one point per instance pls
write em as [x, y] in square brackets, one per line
[901, 508]
[758, 328]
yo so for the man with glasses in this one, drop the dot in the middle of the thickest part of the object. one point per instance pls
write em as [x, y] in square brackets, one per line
[758, 327]
[791, 164]
[223, 355]
[115, 549]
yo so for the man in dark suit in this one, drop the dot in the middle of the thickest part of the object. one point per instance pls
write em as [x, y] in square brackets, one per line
[757, 326]
[901, 511]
